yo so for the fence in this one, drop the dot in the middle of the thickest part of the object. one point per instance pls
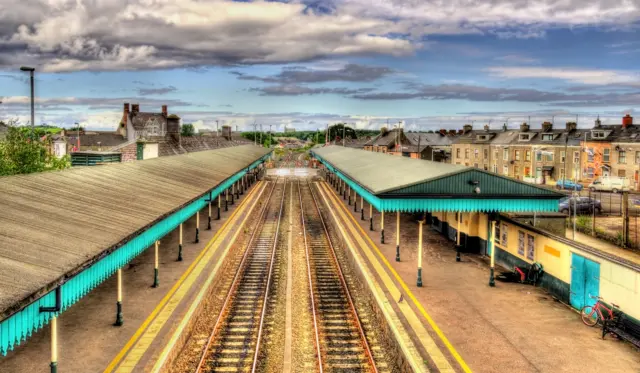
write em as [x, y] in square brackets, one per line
[601, 214]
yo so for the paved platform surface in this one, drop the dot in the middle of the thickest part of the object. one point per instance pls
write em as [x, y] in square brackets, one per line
[87, 340]
[509, 328]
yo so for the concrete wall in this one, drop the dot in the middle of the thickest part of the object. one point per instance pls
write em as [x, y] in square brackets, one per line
[150, 151]
[619, 280]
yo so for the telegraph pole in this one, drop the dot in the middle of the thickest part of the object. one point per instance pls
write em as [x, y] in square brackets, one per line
[255, 133]
[326, 136]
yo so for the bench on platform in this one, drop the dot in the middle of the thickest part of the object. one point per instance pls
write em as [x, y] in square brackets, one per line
[624, 327]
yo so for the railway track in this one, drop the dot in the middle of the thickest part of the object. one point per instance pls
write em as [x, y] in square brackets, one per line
[340, 341]
[234, 343]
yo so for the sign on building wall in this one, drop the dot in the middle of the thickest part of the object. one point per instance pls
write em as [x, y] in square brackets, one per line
[60, 149]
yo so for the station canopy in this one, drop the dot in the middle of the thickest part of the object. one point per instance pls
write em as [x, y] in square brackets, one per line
[394, 183]
[70, 230]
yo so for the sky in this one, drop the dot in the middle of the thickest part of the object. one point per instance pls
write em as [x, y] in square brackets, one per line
[425, 64]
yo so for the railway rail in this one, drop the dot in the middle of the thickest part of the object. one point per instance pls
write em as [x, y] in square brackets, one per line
[234, 343]
[340, 341]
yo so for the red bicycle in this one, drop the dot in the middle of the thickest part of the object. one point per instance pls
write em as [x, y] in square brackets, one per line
[596, 314]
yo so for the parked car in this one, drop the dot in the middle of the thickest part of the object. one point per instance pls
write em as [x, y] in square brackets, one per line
[568, 185]
[610, 184]
[582, 204]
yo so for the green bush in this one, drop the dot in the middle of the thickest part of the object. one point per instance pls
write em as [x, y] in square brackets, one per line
[22, 153]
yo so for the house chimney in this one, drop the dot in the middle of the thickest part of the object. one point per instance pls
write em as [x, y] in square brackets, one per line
[164, 110]
[627, 121]
[122, 129]
[524, 127]
[572, 126]
[125, 115]
[547, 127]
[467, 128]
[135, 108]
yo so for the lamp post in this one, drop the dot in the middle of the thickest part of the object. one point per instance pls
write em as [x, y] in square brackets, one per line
[78, 133]
[31, 71]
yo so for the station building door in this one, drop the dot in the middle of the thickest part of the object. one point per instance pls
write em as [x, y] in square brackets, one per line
[585, 281]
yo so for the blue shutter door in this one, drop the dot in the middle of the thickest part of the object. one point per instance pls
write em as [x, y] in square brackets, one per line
[578, 281]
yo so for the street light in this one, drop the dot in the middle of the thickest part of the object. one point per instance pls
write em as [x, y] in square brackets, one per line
[31, 70]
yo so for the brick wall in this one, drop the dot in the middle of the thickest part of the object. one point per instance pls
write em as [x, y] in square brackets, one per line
[129, 152]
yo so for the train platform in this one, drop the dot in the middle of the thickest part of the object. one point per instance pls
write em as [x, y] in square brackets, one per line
[88, 341]
[456, 322]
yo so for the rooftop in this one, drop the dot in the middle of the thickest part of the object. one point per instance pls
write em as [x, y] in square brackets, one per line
[393, 177]
[56, 224]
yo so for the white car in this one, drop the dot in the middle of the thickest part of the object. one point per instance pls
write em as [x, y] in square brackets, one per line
[610, 184]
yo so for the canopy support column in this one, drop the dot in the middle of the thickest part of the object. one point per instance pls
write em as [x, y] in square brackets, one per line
[233, 191]
[237, 186]
[242, 185]
[226, 200]
[156, 279]
[419, 282]
[54, 344]
[382, 226]
[492, 239]
[349, 192]
[371, 217]
[219, 205]
[398, 236]
[119, 319]
[209, 218]
[180, 243]
[197, 227]
[355, 201]
[361, 207]
[458, 236]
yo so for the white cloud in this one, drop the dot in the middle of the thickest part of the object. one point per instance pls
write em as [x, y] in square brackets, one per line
[69, 35]
[137, 34]
[517, 59]
[574, 75]
[502, 13]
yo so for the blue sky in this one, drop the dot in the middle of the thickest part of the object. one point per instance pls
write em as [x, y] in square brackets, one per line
[430, 64]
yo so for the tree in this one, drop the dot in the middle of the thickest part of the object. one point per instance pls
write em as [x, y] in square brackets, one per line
[187, 130]
[337, 130]
[22, 154]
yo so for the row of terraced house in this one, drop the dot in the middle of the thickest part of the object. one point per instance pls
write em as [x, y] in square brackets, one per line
[537, 155]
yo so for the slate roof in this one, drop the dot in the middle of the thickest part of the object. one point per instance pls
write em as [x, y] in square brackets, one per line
[92, 138]
[431, 139]
[616, 133]
[386, 139]
[512, 137]
[475, 137]
[140, 119]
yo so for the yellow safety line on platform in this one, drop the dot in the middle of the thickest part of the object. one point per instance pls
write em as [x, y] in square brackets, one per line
[415, 301]
[201, 294]
[399, 331]
[114, 363]
[412, 318]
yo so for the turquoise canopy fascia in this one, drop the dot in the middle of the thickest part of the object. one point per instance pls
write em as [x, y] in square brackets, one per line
[446, 204]
[18, 327]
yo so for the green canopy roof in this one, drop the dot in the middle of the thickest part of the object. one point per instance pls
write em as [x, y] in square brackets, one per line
[399, 183]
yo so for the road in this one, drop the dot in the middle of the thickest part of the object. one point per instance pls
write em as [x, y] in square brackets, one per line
[611, 202]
